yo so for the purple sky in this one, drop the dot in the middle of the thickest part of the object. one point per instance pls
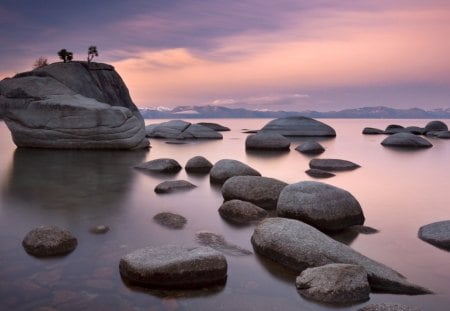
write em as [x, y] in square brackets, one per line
[284, 55]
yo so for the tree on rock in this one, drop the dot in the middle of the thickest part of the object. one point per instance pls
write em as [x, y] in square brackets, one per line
[40, 62]
[65, 55]
[92, 51]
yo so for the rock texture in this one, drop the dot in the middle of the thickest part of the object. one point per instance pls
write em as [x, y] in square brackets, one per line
[71, 105]
[315, 172]
[406, 140]
[174, 185]
[267, 141]
[298, 246]
[437, 233]
[310, 147]
[174, 267]
[299, 126]
[387, 307]
[227, 168]
[179, 129]
[372, 131]
[334, 283]
[323, 206]
[262, 191]
[435, 126]
[393, 129]
[241, 212]
[162, 165]
[170, 220]
[334, 165]
[48, 241]
[219, 243]
[198, 165]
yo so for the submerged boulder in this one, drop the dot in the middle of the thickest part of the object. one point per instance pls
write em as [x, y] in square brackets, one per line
[173, 185]
[227, 168]
[267, 141]
[179, 129]
[333, 165]
[48, 241]
[437, 233]
[162, 165]
[372, 131]
[72, 105]
[170, 220]
[298, 126]
[219, 243]
[406, 140]
[316, 173]
[215, 126]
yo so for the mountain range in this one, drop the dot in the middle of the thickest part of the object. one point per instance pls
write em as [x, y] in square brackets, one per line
[212, 111]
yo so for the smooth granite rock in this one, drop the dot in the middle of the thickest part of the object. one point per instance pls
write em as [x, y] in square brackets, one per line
[261, 191]
[298, 246]
[299, 126]
[170, 220]
[393, 129]
[323, 206]
[334, 283]
[406, 140]
[72, 105]
[162, 165]
[197, 131]
[334, 165]
[310, 147]
[387, 307]
[372, 131]
[174, 185]
[179, 129]
[48, 241]
[267, 141]
[437, 233]
[227, 168]
[443, 134]
[316, 173]
[415, 130]
[219, 243]
[174, 267]
[435, 126]
[198, 165]
[215, 126]
[241, 212]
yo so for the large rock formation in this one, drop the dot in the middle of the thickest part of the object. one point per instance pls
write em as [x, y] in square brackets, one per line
[298, 126]
[72, 105]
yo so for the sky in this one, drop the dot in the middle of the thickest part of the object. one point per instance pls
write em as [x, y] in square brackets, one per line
[292, 55]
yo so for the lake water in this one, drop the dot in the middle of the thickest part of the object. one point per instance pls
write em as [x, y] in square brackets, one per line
[398, 191]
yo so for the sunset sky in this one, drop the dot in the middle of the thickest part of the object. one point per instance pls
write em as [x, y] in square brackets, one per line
[282, 55]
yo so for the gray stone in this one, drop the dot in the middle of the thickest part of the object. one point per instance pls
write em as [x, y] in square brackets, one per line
[323, 206]
[199, 165]
[169, 129]
[219, 243]
[372, 131]
[387, 307]
[406, 140]
[100, 229]
[437, 233]
[174, 185]
[227, 168]
[299, 126]
[47, 241]
[436, 126]
[170, 220]
[443, 134]
[393, 129]
[262, 191]
[334, 165]
[174, 267]
[162, 165]
[310, 147]
[334, 283]
[197, 131]
[72, 106]
[415, 130]
[315, 172]
[298, 246]
[214, 126]
[241, 212]
[267, 141]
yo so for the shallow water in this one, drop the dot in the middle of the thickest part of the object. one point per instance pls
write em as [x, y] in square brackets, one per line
[399, 192]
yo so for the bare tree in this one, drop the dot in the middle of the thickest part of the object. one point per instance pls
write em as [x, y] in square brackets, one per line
[40, 62]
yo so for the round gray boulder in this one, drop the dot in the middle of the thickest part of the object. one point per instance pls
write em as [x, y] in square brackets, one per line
[162, 165]
[267, 141]
[437, 233]
[299, 126]
[387, 307]
[323, 206]
[262, 191]
[394, 128]
[170, 220]
[310, 147]
[333, 165]
[174, 267]
[47, 241]
[406, 140]
[174, 185]
[315, 172]
[372, 131]
[436, 126]
[227, 168]
[198, 165]
[241, 212]
[334, 283]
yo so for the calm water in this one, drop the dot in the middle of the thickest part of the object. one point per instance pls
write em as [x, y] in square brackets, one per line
[399, 192]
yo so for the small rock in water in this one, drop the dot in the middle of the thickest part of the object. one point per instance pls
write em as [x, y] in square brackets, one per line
[241, 212]
[173, 185]
[227, 168]
[162, 165]
[333, 164]
[406, 140]
[170, 220]
[198, 165]
[436, 126]
[310, 147]
[100, 229]
[315, 172]
[49, 241]
[267, 141]
[219, 243]
[437, 233]
[387, 307]
[215, 126]
[372, 131]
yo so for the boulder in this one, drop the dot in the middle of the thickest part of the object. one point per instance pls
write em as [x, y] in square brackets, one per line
[437, 233]
[310, 147]
[48, 241]
[226, 168]
[406, 140]
[299, 126]
[415, 130]
[241, 212]
[179, 129]
[435, 126]
[162, 165]
[334, 165]
[173, 185]
[394, 128]
[219, 243]
[443, 134]
[174, 267]
[214, 126]
[262, 191]
[315, 172]
[170, 220]
[72, 105]
[298, 246]
[323, 206]
[197, 131]
[372, 131]
[334, 283]
[267, 141]
[387, 307]
[198, 165]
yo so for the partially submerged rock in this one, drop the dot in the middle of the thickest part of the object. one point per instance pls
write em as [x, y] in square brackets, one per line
[179, 129]
[406, 140]
[241, 212]
[198, 165]
[227, 168]
[162, 165]
[48, 241]
[298, 126]
[315, 172]
[170, 220]
[372, 131]
[437, 233]
[393, 129]
[333, 165]
[310, 147]
[262, 191]
[323, 206]
[267, 141]
[387, 307]
[174, 267]
[219, 243]
[214, 126]
[173, 185]
[435, 126]
[298, 246]
[197, 131]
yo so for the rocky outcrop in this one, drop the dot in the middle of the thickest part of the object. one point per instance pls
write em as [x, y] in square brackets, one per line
[162, 165]
[227, 168]
[298, 126]
[310, 147]
[48, 241]
[174, 185]
[267, 141]
[406, 140]
[198, 165]
[334, 283]
[298, 246]
[174, 267]
[179, 129]
[71, 105]
[334, 165]
[170, 220]
[219, 243]
[437, 233]
[323, 206]
[241, 212]
[262, 191]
